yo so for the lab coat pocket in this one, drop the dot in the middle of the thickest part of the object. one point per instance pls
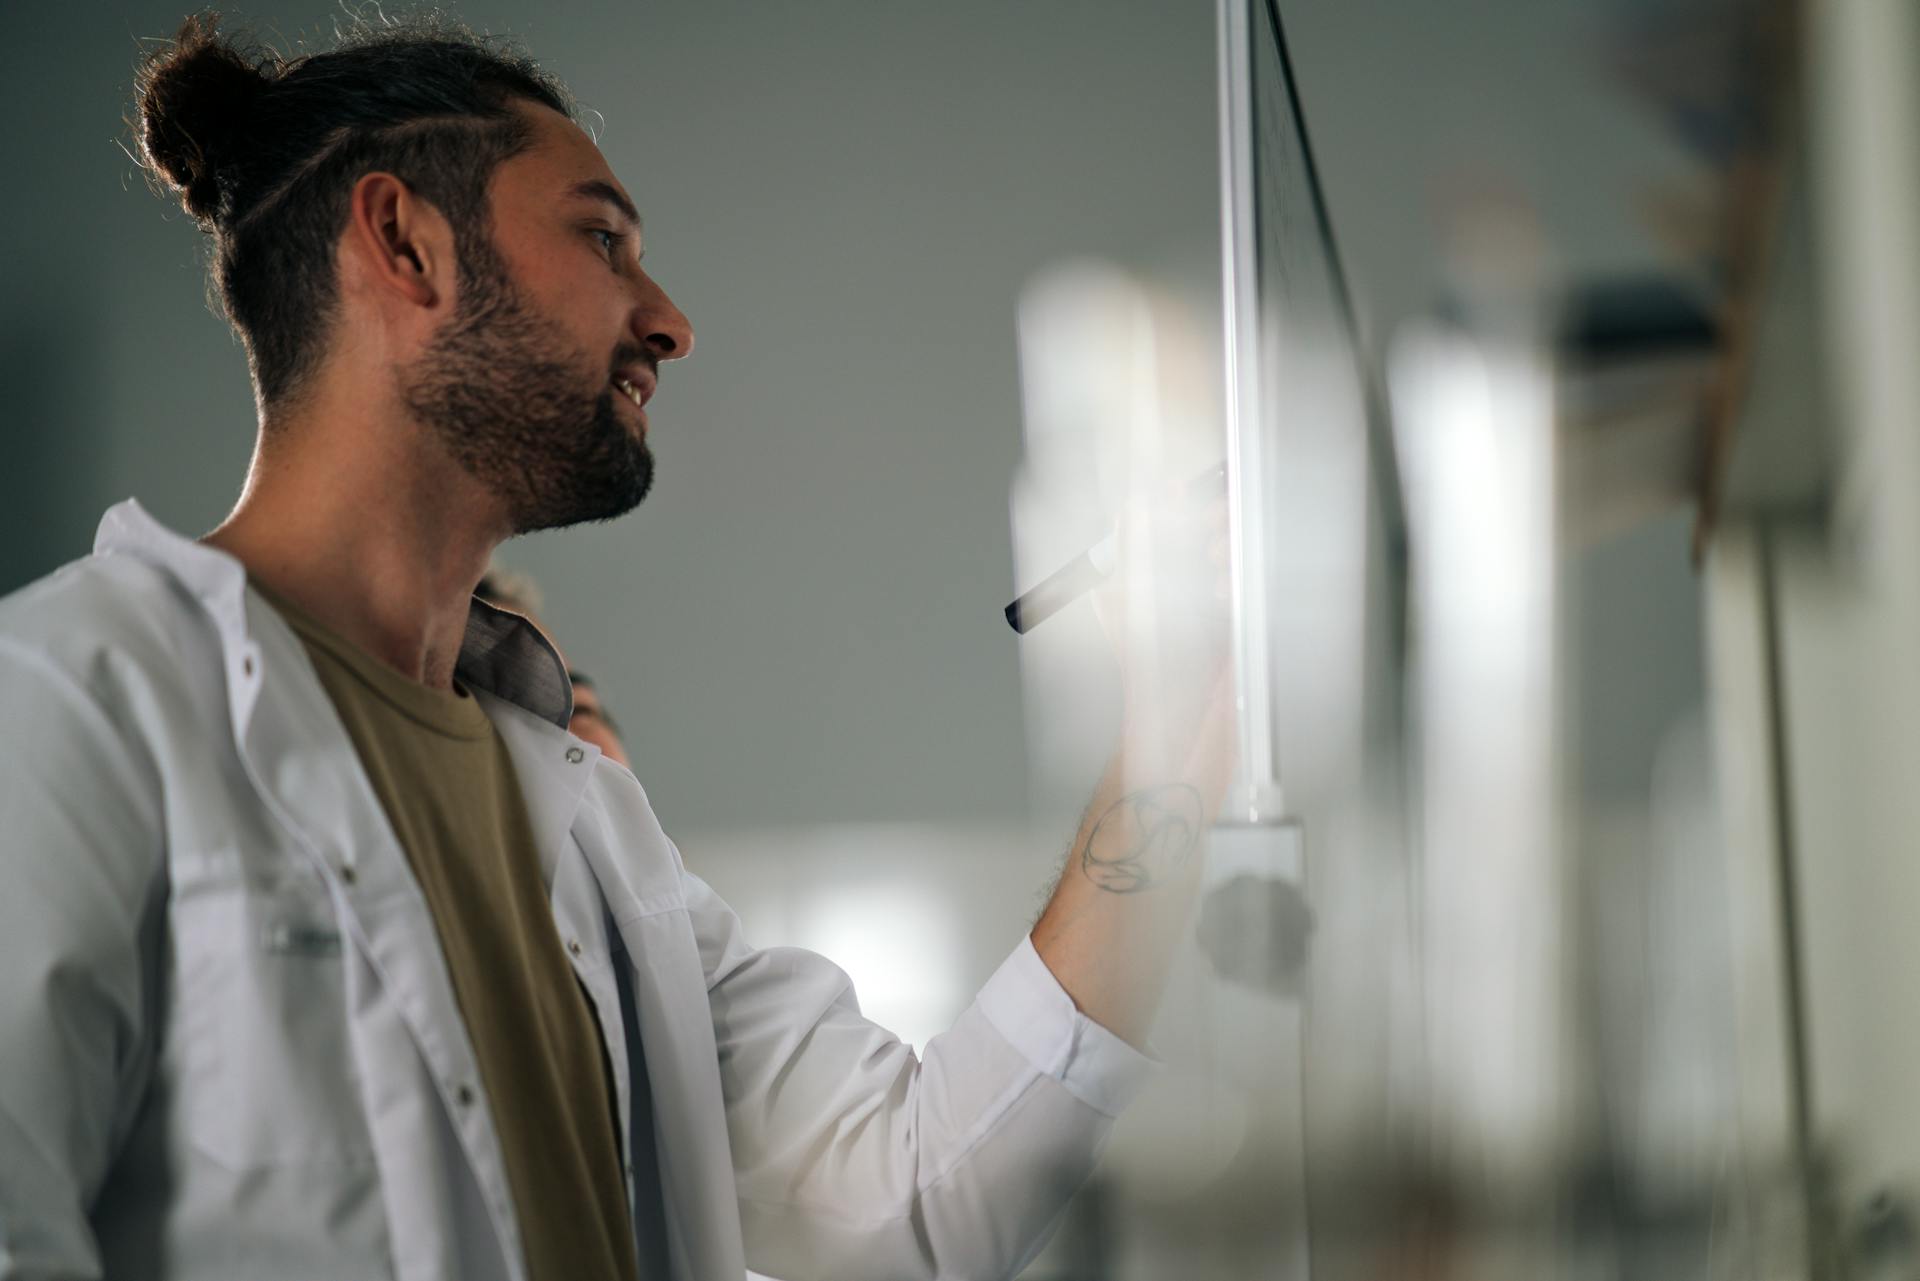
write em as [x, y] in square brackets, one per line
[266, 1069]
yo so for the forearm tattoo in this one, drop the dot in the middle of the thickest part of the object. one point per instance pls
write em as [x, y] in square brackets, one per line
[1142, 837]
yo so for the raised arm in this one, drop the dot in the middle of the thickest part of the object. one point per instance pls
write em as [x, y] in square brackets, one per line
[1126, 893]
[854, 1157]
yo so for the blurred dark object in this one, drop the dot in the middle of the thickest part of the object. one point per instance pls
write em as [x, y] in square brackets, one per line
[1254, 931]
[1635, 318]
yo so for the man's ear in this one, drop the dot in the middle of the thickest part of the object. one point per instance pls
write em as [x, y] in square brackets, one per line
[402, 245]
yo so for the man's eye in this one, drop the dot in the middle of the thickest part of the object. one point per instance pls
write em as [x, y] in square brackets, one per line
[609, 241]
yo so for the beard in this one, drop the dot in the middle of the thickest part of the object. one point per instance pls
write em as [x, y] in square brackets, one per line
[502, 388]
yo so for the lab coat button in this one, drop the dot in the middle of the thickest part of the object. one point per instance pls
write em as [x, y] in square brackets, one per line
[573, 946]
[575, 755]
[463, 1094]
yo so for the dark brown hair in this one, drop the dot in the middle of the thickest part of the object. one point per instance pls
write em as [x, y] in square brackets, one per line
[264, 151]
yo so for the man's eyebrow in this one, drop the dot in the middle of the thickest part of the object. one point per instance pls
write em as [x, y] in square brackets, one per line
[600, 189]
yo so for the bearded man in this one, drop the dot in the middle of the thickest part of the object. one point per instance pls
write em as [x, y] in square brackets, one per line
[329, 951]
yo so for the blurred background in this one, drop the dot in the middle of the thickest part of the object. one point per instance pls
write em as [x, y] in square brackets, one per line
[1564, 358]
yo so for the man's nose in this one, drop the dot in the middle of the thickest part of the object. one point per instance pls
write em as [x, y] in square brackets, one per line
[663, 329]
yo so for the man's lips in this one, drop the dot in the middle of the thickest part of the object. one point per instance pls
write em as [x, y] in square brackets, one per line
[636, 383]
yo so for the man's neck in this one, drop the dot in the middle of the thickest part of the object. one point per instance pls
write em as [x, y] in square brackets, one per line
[373, 540]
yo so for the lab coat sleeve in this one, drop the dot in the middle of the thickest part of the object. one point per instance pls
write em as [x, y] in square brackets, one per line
[79, 899]
[856, 1158]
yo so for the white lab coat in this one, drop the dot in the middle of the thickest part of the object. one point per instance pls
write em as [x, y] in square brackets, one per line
[229, 1047]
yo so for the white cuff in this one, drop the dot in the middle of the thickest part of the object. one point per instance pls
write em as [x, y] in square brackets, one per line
[1027, 1005]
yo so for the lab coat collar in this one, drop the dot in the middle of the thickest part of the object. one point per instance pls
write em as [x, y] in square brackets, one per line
[502, 653]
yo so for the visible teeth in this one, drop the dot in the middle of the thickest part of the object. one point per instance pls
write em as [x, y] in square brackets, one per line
[633, 393]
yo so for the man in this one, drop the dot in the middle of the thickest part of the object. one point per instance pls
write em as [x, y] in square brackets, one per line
[591, 721]
[329, 951]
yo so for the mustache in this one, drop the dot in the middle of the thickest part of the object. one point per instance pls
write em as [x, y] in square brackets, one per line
[627, 355]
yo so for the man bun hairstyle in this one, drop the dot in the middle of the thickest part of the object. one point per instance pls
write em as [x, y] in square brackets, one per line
[264, 151]
[191, 103]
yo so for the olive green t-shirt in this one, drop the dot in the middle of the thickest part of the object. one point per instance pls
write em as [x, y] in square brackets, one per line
[446, 782]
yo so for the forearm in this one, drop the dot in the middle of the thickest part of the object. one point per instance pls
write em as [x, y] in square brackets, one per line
[1126, 893]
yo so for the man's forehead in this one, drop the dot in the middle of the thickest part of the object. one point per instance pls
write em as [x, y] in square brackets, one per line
[565, 161]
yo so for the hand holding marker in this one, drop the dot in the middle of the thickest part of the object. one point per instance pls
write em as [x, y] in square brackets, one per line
[1090, 568]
